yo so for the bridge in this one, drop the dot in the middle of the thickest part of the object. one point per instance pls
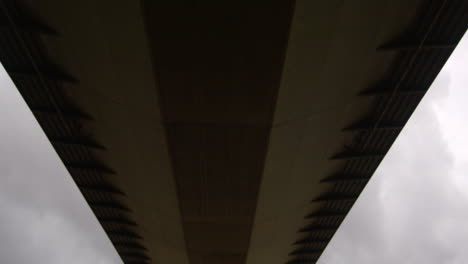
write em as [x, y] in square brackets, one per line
[232, 132]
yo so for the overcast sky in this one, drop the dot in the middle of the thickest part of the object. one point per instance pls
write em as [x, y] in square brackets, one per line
[414, 210]
[43, 217]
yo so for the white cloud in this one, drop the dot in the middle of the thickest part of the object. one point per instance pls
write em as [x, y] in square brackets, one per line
[44, 218]
[415, 208]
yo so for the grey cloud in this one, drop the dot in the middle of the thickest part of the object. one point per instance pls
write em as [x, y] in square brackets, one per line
[414, 209]
[44, 218]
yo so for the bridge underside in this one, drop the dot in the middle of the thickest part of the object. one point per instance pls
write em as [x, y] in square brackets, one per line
[215, 132]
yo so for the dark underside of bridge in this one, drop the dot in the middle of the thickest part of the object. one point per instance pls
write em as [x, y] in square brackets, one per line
[218, 66]
[200, 131]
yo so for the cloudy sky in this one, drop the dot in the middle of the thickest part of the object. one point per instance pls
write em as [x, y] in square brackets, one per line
[43, 217]
[414, 210]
